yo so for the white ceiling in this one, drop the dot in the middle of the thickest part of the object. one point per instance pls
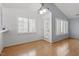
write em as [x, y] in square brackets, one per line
[69, 9]
[20, 5]
[29, 6]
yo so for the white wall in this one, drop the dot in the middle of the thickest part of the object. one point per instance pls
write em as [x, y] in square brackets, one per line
[74, 28]
[10, 16]
[0, 33]
[12, 37]
[0, 18]
[47, 17]
[1, 46]
[56, 13]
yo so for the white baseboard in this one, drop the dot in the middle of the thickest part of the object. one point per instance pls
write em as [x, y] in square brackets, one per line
[21, 43]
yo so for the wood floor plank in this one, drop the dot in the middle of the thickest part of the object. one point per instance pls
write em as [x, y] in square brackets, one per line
[67, 47]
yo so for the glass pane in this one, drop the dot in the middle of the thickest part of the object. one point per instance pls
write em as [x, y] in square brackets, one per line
[32, 25]
[22, 25]
[58, 26]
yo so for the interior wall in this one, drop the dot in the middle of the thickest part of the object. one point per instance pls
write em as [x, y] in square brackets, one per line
[56, 13]
[10, 17]
[1, 42]
[47, 17]
[0, 18]
[74, 29]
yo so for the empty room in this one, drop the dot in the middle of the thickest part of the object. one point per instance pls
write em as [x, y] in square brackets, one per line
[39, 29]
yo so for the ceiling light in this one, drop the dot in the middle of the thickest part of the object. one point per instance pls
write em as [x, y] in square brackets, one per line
[42, 9]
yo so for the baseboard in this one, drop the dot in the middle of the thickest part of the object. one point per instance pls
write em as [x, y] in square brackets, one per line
[47, 40]
[21, 43]
[56, 40]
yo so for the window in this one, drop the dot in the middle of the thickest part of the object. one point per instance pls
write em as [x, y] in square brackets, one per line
[58, 28]
[66, 25]
[32, 27]
[61, 26]
[26, 25]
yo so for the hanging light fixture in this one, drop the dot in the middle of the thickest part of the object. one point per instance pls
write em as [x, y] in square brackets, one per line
[42, 9]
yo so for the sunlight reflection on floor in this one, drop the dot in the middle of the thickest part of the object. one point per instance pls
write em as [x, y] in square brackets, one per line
[63, 50]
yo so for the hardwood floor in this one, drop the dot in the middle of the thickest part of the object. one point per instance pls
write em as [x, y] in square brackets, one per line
[43, 48]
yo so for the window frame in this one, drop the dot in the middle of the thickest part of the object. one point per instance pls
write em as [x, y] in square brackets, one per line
[20, 32]
[61, 27]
